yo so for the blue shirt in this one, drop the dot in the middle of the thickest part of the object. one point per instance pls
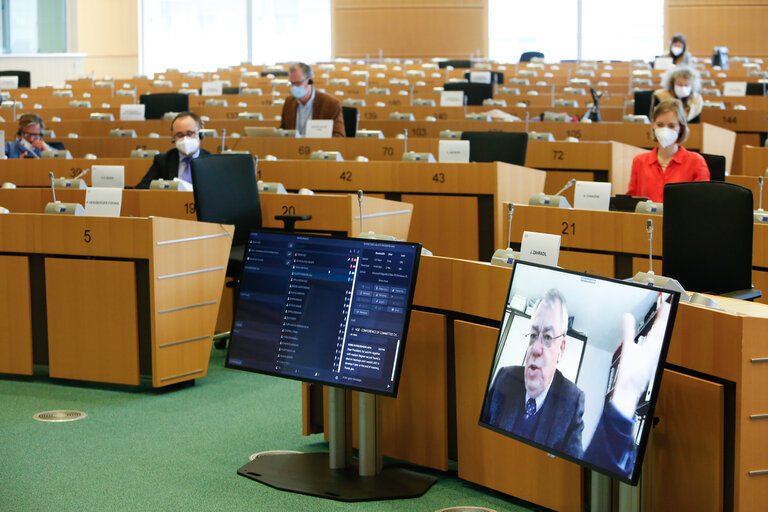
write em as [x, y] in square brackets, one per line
[15, 149]
[304, 114]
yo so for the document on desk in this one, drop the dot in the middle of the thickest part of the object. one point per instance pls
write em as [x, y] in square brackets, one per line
[452, 99]
[103, 202]
[319, 129]
[108, 176]
[215, 88]
[132, 112]
[453, 151]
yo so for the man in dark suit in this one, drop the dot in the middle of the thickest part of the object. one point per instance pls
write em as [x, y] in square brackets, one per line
[185, 134]
[305, 102]
[536, 401]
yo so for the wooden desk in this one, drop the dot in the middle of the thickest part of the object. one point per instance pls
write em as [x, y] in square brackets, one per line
[110, 299]
[749, 125]
[457, 207]
[754, 160]
[34, 173]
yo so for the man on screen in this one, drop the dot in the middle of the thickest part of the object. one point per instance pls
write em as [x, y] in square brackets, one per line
[536, 401]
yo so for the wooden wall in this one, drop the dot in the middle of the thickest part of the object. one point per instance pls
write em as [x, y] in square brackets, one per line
[409, 28]
[107, 30]
[738, 24]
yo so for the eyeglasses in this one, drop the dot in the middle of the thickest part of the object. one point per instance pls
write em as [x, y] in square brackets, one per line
[296, 84]
[31, 135]
[546, 338]
[180, 135]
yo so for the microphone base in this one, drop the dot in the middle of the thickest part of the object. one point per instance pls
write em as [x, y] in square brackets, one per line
[549, 200]
[69, 183]
[64, 208]
[662, 282]
[505, 258]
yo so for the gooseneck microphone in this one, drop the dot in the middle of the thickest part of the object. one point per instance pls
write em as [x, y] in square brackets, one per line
[568, 185]
[360, 202]
[53, 186]
[649, 230]
[59, 207]
[510, 211]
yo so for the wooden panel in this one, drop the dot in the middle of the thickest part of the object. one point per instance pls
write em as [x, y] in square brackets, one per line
[15, 316]
[760, 281]
[435, 215]
[407, 28]
[599, 264]
[94, 337]
[494, 460]
[754, 160]
[687, 445]
[556, 180]
[108, 35]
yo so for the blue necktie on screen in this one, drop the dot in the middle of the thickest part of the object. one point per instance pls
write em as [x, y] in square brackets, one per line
[187, 175]
[530, 408]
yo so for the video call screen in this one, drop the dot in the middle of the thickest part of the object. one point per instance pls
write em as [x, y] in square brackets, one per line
[327, 310]
[577, 366]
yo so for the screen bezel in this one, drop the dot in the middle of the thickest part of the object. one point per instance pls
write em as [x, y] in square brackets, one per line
[406, 326]
[633, 478]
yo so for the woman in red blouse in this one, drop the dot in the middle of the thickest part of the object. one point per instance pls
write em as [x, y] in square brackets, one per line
[668, 162]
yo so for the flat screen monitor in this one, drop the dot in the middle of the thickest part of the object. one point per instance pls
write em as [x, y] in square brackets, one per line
[328, 310]
[578, 366]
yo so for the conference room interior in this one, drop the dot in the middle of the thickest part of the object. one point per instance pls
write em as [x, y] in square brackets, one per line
[124, 318]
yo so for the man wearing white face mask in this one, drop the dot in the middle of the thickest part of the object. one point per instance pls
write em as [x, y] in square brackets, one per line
[305, 103]
[176, 163]
[683, 83]
[668, 162]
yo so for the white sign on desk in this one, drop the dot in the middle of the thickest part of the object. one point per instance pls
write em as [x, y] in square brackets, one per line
[540, 248]
[453, 151]
[9, 82]
[480, 77]
[319, 129]
[108, 176]
[734, 88]
[130, 112]
[591, 195]
[452, 98]
[213, 88]
[663, 63]
[103, 202]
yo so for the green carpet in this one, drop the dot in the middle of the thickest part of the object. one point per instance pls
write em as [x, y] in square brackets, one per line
[176, 450]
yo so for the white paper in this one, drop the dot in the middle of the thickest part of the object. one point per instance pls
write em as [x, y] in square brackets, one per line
[452, 98]
[540, 248]
[213, 88]
[590, 195]
[663, 63]
[103, 202]
[129, 112]
[480, 77]
[734, 88]
[9, 82]
[319, 129]
[453, 151]
[2, 143]
[108, 176]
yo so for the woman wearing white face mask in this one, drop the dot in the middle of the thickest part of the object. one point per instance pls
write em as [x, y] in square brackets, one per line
[678, 50]
[668, 162]
[683, 83]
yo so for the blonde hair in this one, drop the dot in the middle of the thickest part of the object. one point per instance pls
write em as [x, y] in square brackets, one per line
[676, 106]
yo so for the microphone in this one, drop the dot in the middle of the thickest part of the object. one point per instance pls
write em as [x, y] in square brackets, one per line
[556, 200]
[360, 202]
[568, 185]
[82, 174]
[58, 206]
[652, 279]
[506, 257]
[30, 149]
[510, 211]
[649, 230]
[760, 216]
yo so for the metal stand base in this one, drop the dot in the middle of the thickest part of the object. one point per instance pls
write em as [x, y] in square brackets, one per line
[308, 473]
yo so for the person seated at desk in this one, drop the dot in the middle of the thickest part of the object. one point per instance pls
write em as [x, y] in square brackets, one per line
[678, 50]
[29, 142]
[305, 102]
[668, 162]
[682, 83]
[176, 163]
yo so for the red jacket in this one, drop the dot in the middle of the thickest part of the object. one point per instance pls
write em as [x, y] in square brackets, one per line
[648, 178]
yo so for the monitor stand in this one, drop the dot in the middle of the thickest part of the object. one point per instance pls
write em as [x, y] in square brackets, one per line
[334, 475]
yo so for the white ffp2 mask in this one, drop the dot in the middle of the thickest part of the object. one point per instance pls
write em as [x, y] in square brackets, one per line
[665, 136]
[187, 145]
[683, 91]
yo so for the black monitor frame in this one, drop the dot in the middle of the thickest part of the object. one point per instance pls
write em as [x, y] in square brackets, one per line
[641, 427]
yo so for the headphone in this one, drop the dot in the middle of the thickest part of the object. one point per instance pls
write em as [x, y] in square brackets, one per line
[195, 117]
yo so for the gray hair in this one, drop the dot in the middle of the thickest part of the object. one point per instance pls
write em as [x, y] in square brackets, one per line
[686, 72]
[554, 297]
[306, 69]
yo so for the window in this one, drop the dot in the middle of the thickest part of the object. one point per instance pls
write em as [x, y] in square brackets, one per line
[33, 27]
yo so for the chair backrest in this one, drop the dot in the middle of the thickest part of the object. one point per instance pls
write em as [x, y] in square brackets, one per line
[507, 147]
[25, 79]
[226, 191]
[455, 63]
[474, 92]
[753, 88]
[708, 236]
[156, 105]
[351, 119]
[497, 77]
[643, 103]
[716, 166]
[527, 56]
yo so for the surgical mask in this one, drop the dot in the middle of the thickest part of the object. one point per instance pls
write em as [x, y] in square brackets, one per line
[665, 136]
[187, 145]
[683, 91]
[298, 91]
[676, 50]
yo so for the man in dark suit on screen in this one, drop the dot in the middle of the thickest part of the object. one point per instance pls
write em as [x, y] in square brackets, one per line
[176, 163]
[306, 102]
[535, 400]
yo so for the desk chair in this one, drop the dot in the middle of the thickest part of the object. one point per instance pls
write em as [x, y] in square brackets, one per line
[527, 56]
[25, 79]
[753, 88]
[156, 105]
[507, 147]
[455, 63]
[716, 166]
[351, 119]
[474, 93]
[644, 103]
[708, 237]
[497, 77]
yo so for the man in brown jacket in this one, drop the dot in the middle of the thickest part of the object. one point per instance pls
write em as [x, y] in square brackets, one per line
[306, 103]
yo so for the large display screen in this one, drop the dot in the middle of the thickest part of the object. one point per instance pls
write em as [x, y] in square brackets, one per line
[321, 309]
[578, 365]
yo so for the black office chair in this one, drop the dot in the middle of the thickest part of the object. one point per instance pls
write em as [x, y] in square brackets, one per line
[25, 79]
[644, 103]
[716, 166]
[156, 105]
[753, 89]
[473, 92]
[527, 56]
[707, 237]
[507, 147]
[497, 77]
[351, 119]
[455, 63]
[230, 90]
